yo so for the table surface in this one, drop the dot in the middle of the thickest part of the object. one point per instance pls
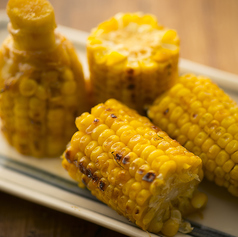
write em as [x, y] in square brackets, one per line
[208, 32]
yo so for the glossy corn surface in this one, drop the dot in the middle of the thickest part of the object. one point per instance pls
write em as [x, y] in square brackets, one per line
[41, 81]
[132, 59]
[135, 168]
[201, 117]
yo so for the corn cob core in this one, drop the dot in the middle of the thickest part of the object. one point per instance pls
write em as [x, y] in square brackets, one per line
[132, 59]
[201, 117]
[42, 91]
[134, 167]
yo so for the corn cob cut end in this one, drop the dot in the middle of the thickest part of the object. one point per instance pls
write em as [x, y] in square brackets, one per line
[31, 15]
[203, 118]
[134, 167]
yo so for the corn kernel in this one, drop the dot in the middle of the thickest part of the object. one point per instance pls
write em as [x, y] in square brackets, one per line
[28, 87]
[234, 173]
[170, 227]
[224, 140]
[232, 146]
[228, 165]
[234, 157]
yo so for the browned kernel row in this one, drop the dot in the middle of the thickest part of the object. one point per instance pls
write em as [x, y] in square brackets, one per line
[135, 168]
[202, 118]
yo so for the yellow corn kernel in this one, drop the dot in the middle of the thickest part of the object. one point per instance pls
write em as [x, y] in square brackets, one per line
[27, 87]
[104, 135]
[234, 157]
[193, 131]
[170, 227]
[224, 140]
[169, 36]
[234, 173]
[133, 176]
[213, 151]
[233, 129]
[208, 126]
[109, 142]
[231, 147]
[89, 148]
[219, 172]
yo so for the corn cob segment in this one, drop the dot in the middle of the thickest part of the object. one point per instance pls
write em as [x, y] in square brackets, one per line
[134, 167]
[132, 59]
[41, 81]
[202, 117]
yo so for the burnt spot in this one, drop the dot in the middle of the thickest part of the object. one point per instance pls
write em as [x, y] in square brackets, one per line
[118, 157]
[82, 168]
[84, 181]
[131, 87]
[130, 71]
[108, 109]
[126, 160]
[166, 111]
[149, 177]
[89, 173]
[76, 163]
[10, 83]
[102, 185]
[158, 136]
[95, 178]
[96, 120]
[169, 68]
[67, 155]
[113, 116]
[137, 211]
[155, 128]
[37, 123]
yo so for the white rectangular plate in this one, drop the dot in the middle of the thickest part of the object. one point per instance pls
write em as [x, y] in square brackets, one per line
[45, 182]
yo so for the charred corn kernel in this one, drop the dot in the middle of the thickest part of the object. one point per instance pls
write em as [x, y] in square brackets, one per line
[42, 77]
[133, 176]
[213, 136]
[132, 59]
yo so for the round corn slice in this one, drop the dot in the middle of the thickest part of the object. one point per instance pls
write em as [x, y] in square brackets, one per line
[132, 59]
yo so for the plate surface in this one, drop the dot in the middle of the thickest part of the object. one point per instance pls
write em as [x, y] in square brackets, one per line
[45, 182]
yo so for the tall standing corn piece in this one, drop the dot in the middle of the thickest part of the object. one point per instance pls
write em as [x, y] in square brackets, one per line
[41, 81]
[132, 59]
[134, 167]
[201, 117]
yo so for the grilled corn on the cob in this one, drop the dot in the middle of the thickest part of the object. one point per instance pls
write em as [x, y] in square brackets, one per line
[201, 117]
[134, 167]
[41, 81]
[132, 59]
